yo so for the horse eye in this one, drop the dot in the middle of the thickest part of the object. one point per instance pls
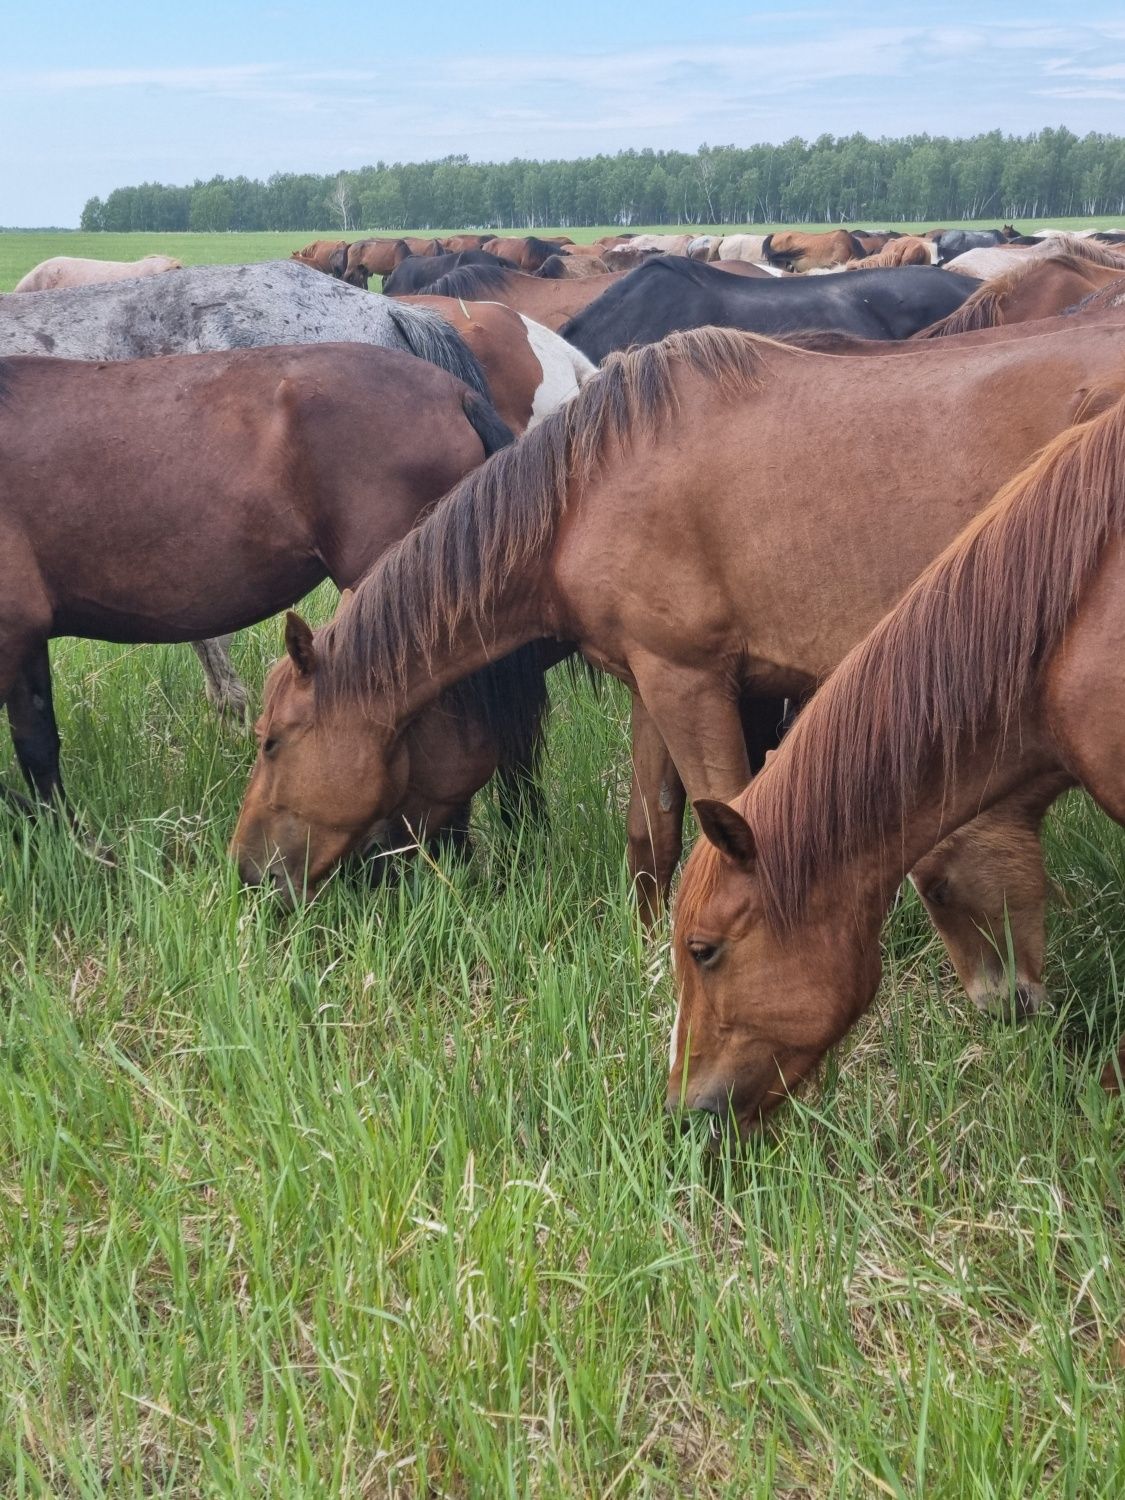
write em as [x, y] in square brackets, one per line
[706, 955]
[269, 745]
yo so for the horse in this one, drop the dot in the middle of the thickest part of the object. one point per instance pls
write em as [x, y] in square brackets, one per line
[678, 580]
[999, 261]
[416, 273]
[571, 267]
[458, 242]
[1029, 291]
[527, 253]
[953, 242]
[636, 251]
[1000, 667]
[671, 293]
[531, 370]
[794, 251]
[378, 257]
[545, 300]
[189, 495]
[73, 270]
[900, 250]
[329, 256]
[208, 308]
[742, 247]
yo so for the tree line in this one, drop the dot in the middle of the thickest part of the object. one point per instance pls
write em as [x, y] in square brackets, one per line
[1051, 173]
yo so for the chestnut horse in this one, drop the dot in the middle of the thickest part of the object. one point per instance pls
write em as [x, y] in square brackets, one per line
[528, 252]
[329, 256]
[677, 578]
[793, 251]
[1001, 667]
[73, 270]
[545, 300]
[1029, 291]
[174, 498]
[378, 257]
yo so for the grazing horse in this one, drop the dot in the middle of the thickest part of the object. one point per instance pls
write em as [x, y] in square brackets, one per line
[1029, 291]
[671, 293]
[742, 247]
[527, 253]
[1002, 259]
[999, 668]
[175, 498]
[72, 270]
[793, 251]
[208, 308]
[571, 267]
[953, 242]
[329, 256]
[900, 250]
[378, 257]
[545, 300]
[531, 370]
[677, 578]
[415, 273]
[458, 242]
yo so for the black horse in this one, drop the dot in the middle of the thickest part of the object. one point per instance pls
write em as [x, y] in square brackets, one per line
[670, 293]
[417, 272]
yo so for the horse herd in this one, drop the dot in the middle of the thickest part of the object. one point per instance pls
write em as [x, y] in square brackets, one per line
[892, 500]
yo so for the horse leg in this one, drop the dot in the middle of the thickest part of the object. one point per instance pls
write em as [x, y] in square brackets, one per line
[656, 816]
[696, 714]
[985, 886]
[224, 689]
[35, 734]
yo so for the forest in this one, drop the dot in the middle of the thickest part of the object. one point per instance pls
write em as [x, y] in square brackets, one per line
[847, 179]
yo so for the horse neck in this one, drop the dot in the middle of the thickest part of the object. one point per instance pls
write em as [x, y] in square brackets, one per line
[991, 770]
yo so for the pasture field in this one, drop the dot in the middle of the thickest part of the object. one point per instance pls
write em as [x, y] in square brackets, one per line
[379, 1199]
[19, 251]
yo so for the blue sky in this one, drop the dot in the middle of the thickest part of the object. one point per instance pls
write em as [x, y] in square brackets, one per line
[95, 96]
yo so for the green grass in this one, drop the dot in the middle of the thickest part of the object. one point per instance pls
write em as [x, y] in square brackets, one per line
[379, 1199]
[20, 251]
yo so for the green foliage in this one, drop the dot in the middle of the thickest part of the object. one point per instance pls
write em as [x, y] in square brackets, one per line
[850, 179]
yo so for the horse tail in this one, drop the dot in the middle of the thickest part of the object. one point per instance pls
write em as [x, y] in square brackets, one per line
[508, 698]
[431, 338]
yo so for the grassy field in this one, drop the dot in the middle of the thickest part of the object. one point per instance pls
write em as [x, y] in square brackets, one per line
[20, 251]
[379, 1199]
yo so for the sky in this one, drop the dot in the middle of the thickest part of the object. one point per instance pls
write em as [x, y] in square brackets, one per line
[94, 97]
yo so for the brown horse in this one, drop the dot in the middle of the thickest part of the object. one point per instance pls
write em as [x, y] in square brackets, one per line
[190, 495]
[329, 256]
[378, 257]
[793, 251]
[678, 579]
[546, 301]
[528, 252]
[1029, 291]
[458, 242]
[74, 270]
[905, 250]
[1000, 667]
[571, 267]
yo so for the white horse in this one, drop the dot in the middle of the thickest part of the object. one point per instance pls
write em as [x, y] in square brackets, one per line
[72, 270]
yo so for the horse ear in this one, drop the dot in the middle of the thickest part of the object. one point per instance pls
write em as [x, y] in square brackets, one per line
[299, 644]
[728, 830]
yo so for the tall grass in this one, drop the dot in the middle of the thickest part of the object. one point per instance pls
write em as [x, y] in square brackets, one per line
[378, 1199]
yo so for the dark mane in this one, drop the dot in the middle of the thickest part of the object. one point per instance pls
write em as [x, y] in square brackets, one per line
[954, 658]
[501, 520]
[471, 282]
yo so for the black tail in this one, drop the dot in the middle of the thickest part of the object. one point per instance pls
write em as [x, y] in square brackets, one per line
[508, 698]
[431, 338]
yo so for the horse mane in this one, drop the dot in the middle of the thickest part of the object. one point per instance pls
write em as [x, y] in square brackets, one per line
[984, 308]
[471, 281]
[500, 520]
[957, 656]
[1102, 299]
[1085, 249]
